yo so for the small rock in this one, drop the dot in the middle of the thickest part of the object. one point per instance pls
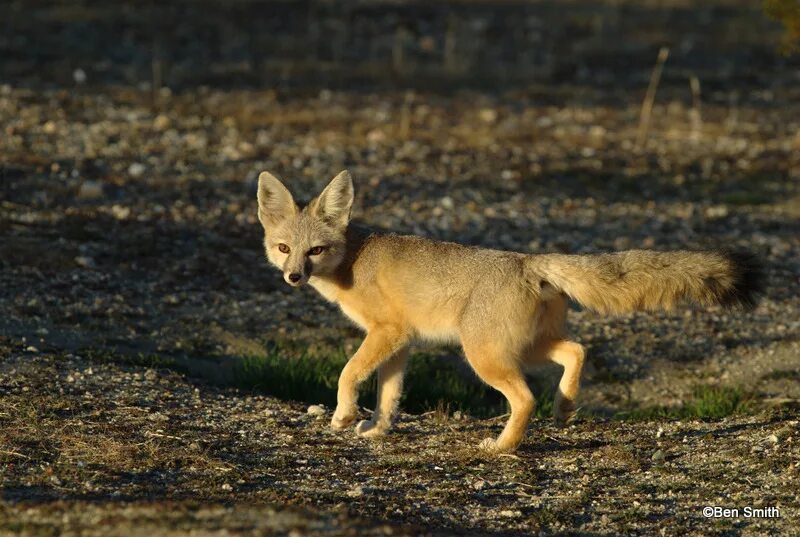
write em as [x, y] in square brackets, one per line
[79, 76]
[376, 136]
[659, 456]
[508, 513]
[226, 487]
[480, 484]
[136, 169]
[31, 348]
[316, 410]
[161, 122]
[447, 203]
[84, 261]
[771, 439]
[49, 127]
[90, 190]
[488, 115]
[355, 492]
[119, 212]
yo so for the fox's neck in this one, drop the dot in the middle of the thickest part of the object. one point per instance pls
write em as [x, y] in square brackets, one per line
[329, 285]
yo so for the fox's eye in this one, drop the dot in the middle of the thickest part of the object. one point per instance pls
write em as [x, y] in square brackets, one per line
[316, 250]
[283, 248]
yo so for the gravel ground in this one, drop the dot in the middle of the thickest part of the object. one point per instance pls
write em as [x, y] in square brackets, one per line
[136, 230]
[91, 447]
[128, 237]
[127, 231]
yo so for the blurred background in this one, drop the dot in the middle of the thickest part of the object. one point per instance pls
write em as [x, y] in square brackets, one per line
[447, 46]
[133, 132]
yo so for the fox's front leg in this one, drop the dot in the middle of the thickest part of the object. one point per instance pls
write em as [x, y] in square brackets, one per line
[379, 345]
[390, 387]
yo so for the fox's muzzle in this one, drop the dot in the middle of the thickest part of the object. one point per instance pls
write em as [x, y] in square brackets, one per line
[295, 279]
[296, 274]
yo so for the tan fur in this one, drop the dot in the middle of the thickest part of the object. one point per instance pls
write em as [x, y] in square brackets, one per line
[507, 309]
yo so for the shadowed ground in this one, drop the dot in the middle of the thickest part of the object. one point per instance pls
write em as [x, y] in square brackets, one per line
[135, 296]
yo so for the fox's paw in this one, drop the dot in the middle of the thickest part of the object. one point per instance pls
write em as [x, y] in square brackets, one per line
[370, 429]
[342, 420]
[563, 412]
[489, 445]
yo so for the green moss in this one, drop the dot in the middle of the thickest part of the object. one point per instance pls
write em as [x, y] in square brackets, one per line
[706, 402]
[431, 384]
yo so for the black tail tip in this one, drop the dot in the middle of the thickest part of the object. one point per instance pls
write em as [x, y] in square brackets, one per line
[748, 280]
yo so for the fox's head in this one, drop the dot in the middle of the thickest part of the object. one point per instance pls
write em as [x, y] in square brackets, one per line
[305, 241]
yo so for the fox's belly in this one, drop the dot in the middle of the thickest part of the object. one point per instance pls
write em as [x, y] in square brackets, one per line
[446, 334]
[436, 325]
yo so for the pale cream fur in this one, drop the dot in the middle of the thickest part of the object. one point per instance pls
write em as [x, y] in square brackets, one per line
[507, 309]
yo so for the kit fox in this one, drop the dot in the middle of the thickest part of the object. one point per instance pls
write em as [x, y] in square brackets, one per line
[506, 309]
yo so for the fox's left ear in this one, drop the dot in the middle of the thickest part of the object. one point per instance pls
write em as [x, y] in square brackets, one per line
[335, 202]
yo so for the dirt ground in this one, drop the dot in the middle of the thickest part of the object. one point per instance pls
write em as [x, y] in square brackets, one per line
[132, 280]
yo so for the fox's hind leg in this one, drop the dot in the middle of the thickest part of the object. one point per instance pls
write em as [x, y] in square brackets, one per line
[551, 346]
[390, 386]
[570, 356]
[492, 364]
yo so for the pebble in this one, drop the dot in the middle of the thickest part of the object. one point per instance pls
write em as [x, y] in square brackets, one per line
[659, 456]
[79, 76]
[161, 122]
[355, 492]
[136, 169]
[90, 190]
[119, 212]
[316, 410]
[85, 261]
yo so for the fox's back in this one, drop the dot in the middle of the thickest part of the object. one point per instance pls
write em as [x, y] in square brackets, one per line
[427, 283]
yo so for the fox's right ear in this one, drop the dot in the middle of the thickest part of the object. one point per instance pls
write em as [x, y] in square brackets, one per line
[275, 202]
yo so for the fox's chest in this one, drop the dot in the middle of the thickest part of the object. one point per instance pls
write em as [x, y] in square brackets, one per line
[331, 292]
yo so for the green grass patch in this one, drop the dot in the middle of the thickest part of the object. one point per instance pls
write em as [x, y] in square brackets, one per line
[707, 402]
[431, 383]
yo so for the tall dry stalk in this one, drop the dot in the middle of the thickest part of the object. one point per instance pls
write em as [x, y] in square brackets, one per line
[694, 113]
[650, 96]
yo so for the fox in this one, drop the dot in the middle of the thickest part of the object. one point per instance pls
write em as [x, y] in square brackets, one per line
[507, 310]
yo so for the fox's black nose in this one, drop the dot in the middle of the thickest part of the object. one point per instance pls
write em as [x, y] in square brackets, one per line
[294, 277]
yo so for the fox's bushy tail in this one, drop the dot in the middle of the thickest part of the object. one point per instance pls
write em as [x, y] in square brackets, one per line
[648, 280]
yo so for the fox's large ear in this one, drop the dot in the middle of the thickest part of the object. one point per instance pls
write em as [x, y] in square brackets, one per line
[275, 202]
[334, 203]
